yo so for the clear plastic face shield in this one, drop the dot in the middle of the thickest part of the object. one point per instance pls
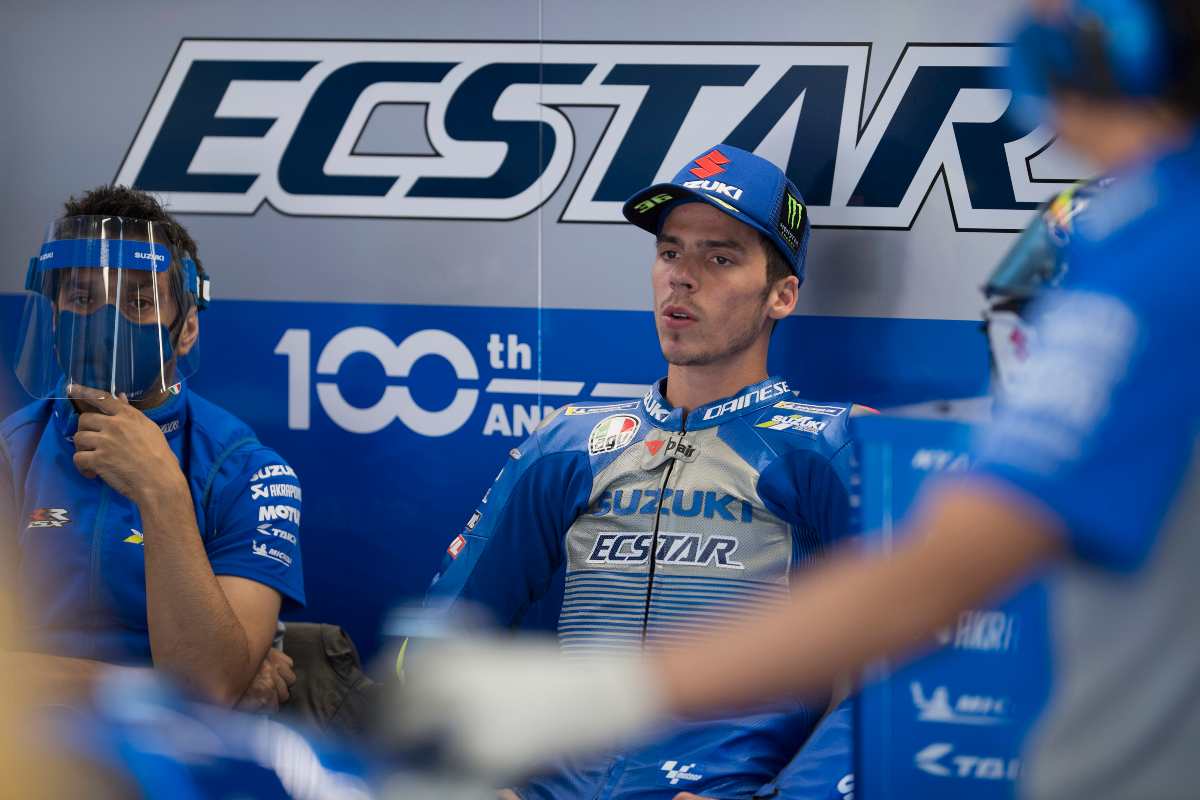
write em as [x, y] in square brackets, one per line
[111, 308]
[1035, 264]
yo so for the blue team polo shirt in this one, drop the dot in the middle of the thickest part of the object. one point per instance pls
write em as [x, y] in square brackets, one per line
[77, 544]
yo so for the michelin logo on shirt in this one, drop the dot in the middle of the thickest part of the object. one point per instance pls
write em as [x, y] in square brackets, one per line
[272, 553]
[967, 709]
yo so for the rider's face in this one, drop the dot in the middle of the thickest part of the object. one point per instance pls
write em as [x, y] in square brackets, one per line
[710, 286]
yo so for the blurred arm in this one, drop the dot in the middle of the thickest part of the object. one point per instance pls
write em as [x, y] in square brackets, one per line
[972, 541]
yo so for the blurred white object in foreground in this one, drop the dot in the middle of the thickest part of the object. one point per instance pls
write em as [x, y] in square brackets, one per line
[502, 707]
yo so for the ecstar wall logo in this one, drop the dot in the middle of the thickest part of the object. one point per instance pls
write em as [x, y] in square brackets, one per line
[239, 123]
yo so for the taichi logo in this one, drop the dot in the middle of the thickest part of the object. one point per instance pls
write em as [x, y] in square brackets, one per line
[936, 760]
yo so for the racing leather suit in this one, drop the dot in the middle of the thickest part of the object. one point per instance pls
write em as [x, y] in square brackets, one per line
[74, 547]
[731, 499]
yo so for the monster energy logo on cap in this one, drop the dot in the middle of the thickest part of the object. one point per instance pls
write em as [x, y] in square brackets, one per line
[791, 220]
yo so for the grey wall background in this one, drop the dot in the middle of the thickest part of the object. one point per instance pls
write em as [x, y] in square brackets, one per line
[82, 75]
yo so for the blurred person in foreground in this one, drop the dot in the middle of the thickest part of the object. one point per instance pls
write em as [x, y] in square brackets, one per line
[693, 506]
[139, 524]
[1088, 467]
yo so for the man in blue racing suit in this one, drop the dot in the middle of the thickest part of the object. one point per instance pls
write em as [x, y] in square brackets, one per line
[729, 479]
[139, 523]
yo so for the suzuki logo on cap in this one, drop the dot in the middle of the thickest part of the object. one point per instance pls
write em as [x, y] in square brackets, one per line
[709, 165]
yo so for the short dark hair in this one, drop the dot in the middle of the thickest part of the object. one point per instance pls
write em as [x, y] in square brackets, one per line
[778, 267]
[125, 201]
[1182, 18]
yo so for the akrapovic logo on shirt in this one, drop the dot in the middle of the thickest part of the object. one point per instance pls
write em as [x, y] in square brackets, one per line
[982, 631]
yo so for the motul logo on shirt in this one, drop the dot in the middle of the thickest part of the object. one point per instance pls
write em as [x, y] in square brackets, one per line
[709, 165]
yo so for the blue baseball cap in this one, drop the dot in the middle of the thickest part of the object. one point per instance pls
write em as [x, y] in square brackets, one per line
[747, 187]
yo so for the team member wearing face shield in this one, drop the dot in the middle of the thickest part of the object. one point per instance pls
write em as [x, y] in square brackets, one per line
[1090, 464]
[1036, 265]
[140, 524]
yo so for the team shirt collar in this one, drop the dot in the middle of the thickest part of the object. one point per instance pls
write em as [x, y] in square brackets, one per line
[171, 416]
[747, 399]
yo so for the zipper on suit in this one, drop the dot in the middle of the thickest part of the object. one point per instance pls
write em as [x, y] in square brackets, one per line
[662, 493]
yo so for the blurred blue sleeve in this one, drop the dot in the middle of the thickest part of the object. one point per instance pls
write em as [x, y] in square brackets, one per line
[1101, 431]
[824, 767]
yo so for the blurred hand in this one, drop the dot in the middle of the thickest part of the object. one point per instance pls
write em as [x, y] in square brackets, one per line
[270, 687]
[501, 707]
[690, 796]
